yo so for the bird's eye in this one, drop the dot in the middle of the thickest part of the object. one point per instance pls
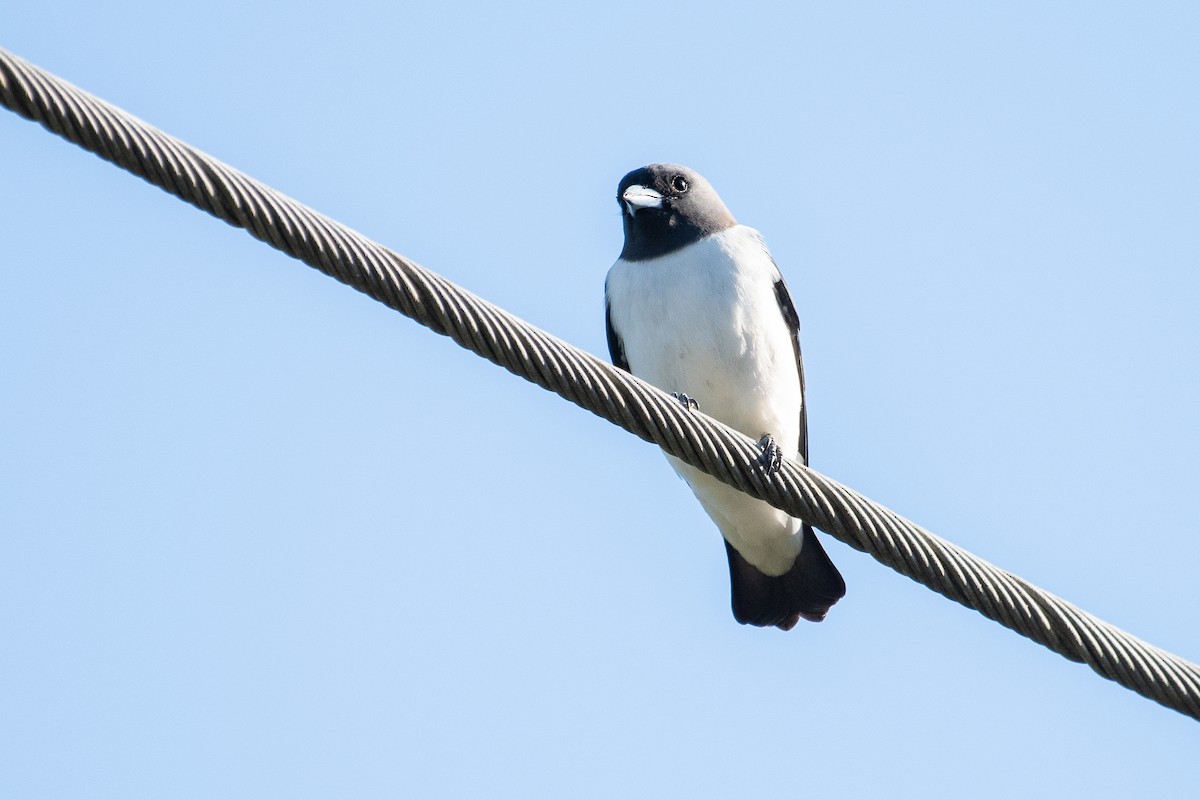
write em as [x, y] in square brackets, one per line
[679, 184]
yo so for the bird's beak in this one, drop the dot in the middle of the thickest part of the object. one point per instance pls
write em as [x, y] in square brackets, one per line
[637, 197]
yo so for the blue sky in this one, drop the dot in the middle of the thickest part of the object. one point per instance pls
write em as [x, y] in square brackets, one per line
[260, 536]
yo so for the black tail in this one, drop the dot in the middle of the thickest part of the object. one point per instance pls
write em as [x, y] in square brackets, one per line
[807, 590]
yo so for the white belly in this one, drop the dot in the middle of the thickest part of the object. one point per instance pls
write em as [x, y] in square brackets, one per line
[706, 321]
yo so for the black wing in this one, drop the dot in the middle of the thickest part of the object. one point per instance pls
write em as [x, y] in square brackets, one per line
[616, 350]
[793, 323]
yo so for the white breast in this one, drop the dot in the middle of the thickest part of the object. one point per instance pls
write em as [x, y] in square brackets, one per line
[706, 321]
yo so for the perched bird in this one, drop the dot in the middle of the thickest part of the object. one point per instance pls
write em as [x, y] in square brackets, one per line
[696, 306]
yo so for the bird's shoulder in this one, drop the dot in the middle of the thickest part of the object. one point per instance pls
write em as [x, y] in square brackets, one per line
[749, 248]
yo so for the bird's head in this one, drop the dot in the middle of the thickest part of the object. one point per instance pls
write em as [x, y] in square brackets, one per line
[665, 207]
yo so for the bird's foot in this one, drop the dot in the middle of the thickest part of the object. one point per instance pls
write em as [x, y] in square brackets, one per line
[771, 457]
[688, 402]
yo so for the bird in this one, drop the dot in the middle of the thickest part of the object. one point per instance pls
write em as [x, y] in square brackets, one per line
[696, 305]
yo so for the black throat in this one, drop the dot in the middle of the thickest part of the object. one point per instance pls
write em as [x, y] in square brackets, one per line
[654, 232]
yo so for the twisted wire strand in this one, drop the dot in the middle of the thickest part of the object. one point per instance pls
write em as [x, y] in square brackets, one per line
[593, 384]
